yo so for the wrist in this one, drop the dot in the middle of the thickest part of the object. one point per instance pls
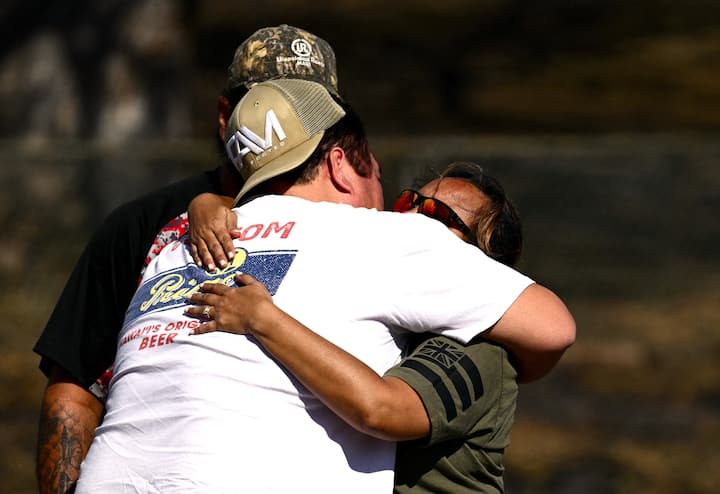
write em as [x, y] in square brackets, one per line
[269, 320]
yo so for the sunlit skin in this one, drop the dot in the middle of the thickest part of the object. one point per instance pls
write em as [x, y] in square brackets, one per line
[462, 197]
[537, 329]
[372, 193]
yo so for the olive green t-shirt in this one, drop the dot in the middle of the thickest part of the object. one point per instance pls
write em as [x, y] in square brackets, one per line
[470, 392]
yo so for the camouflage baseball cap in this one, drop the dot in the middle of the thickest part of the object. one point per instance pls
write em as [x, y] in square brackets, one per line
[283, 52]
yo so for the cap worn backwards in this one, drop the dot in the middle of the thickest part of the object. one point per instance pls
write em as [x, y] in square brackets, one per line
[283, 51]
[276, 126]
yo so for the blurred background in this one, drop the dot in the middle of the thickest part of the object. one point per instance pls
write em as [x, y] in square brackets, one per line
[601, 118]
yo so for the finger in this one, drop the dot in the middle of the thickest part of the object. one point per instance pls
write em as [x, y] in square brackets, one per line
[201, 299]
[226, 243]
[235, 233]
[201, 311]
[244, 279]
[225, 237]
[216, 250]
[206, 327]
[213, 289]
[197, 248]
[195, 255]
[195, 298]
[195, 311]
[206, 257]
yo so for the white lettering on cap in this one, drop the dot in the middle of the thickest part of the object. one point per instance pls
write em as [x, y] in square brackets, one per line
[301, 47]
[252, 142]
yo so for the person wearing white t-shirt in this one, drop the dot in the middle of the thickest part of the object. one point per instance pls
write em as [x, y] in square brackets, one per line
[457, 401]
[216, 413]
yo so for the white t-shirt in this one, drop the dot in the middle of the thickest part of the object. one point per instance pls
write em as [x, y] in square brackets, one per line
[214, 413]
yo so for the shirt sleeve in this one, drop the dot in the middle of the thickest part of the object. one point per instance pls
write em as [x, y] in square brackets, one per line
[465, 388]
[459, 291]
[81, 333]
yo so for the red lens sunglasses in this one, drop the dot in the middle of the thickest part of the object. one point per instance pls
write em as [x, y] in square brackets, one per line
[429, 206]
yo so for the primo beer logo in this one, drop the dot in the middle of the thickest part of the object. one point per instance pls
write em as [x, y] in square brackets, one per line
[171, 288]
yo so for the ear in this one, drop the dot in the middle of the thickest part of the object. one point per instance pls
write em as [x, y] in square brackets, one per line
[224, 112]
[338, 169]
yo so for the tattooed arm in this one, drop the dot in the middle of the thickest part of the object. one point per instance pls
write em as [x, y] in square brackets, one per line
[68, 418]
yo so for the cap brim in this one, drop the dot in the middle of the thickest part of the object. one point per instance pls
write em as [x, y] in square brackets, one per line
[282, 164]
[248, 84]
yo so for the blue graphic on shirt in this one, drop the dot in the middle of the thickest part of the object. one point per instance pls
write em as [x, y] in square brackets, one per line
[171, 288]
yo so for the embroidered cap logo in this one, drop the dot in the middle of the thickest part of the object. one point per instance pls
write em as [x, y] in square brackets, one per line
[253, 143]
[296, 111]
[301, 47]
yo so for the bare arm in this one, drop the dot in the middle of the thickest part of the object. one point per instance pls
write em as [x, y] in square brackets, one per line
[211, 225]
[68, 418]
[537, 329]
[383, 407]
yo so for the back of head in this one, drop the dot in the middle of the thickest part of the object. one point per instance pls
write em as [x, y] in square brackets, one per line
[498, 227]
[276, 127]
[279, 52]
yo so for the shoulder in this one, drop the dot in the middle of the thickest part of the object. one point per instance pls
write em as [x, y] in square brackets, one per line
[460, 385]
[157, 207]
[445, 354]
[180, 191]
[465, 371]
[414, 231]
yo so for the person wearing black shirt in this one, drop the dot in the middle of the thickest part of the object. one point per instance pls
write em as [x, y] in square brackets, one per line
[77, 346]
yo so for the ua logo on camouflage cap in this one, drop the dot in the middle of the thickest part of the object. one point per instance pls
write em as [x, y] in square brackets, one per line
[301, 48]
[283, 52]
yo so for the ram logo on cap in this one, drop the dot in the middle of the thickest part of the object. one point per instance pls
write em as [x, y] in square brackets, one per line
[295, 111]
[253, 142]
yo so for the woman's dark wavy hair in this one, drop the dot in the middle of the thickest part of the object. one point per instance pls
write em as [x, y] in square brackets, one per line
[497, 227]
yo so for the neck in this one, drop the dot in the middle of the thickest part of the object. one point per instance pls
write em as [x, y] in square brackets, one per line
[317, 191]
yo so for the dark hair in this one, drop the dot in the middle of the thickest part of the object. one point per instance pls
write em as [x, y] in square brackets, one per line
[497, 227]
[232, 97]
[349, 134]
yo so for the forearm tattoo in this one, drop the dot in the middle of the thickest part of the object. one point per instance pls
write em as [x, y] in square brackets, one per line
[64, 436]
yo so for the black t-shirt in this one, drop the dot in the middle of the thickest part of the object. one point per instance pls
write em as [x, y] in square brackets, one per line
[81, 334]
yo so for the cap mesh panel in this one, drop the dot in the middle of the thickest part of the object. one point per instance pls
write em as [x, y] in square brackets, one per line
[313, 105]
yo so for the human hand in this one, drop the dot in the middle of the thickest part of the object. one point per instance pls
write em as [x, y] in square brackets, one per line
[212, 224]
[239, 310]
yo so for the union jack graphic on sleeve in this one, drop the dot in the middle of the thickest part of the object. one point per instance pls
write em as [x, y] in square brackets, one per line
[451, 372]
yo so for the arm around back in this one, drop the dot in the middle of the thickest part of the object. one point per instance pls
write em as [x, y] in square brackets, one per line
[537, 329]
[383, 407]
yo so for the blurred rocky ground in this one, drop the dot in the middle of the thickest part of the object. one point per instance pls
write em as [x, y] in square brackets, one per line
[600, 117]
